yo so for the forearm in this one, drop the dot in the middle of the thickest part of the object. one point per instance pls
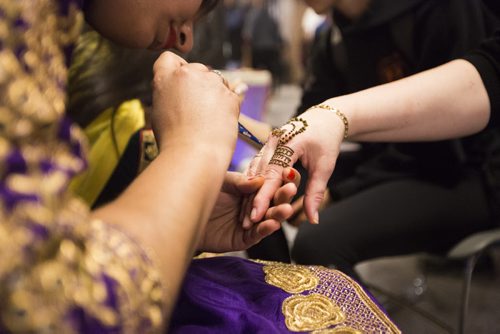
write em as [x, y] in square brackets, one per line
[166, 207]
[446, 102]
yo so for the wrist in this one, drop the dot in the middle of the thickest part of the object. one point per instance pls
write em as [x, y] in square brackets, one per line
[347, 117]
[198, 153]
[340, 116]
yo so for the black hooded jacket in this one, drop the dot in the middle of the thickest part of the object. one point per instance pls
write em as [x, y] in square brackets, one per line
[392, 40]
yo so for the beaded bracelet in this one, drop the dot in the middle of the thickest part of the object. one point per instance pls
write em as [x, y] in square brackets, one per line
[338, 113]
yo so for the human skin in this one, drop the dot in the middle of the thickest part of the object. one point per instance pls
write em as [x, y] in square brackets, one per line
[449, 101]
[145, 24]
[168, 206]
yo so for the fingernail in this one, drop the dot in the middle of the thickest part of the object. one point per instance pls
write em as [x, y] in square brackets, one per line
[253, 214]
[316, 218]
[291, 175]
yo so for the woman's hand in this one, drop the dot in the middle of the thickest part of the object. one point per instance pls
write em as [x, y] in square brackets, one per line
[314, 137]
[192, 105]
[449, 101]
[224, 231]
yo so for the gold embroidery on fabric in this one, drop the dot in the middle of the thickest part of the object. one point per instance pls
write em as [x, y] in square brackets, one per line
[54, 260]
[292, 279]
[360, 313]
[337, 330]
[310, 312]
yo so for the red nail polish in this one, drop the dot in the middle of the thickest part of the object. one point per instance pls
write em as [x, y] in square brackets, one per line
[291, 175]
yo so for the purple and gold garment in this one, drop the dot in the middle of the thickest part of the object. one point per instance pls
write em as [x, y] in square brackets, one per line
[59, 271]
[233, 295]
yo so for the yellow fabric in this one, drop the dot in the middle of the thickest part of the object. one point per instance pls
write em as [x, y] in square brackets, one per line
[103, 157]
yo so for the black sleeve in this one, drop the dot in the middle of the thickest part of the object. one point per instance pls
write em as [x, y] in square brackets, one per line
[487, 61]
[322, 80]
[446, 30]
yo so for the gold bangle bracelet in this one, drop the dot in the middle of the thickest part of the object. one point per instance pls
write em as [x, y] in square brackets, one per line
[338, 113]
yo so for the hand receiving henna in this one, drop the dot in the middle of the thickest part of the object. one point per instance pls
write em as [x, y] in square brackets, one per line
[314, 137]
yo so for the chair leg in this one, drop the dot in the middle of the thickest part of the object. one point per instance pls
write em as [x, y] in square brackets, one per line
[403, 302]
[469, 269]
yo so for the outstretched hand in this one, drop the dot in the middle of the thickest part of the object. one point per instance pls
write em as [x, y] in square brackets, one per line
[224, 231]
[314, 137]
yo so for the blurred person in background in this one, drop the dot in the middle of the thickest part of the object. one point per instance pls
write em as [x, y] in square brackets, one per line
[262, 36]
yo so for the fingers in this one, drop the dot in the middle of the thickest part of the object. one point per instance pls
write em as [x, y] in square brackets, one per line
[266, 228]
[274, 217]
[277, 170]
[280, 212]
[298, 212]
[290, 174]
[259, 163]
[286, 192]
[168, 61]
[238, 183]
[283, 195]
[239, 88]
[273, 222]
[224, 81]
[266, 193]
[315, 189]
[257, 168]
[260, 231]
[247, 219]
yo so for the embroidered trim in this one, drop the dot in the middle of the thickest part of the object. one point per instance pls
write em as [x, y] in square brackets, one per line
[292, 279]
[307, 309]
[310, 312]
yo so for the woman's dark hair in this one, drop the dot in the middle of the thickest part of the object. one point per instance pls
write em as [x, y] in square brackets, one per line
[104, 75]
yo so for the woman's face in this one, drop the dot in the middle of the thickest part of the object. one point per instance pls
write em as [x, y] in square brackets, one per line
[152, 24]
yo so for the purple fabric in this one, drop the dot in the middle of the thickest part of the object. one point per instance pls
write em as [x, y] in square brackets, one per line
[228, 295]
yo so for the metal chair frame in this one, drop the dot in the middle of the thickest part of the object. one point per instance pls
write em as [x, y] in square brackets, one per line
[469, 250]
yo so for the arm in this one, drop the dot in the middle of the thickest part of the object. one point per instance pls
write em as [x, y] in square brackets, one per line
[168, 205]
[446, 102]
